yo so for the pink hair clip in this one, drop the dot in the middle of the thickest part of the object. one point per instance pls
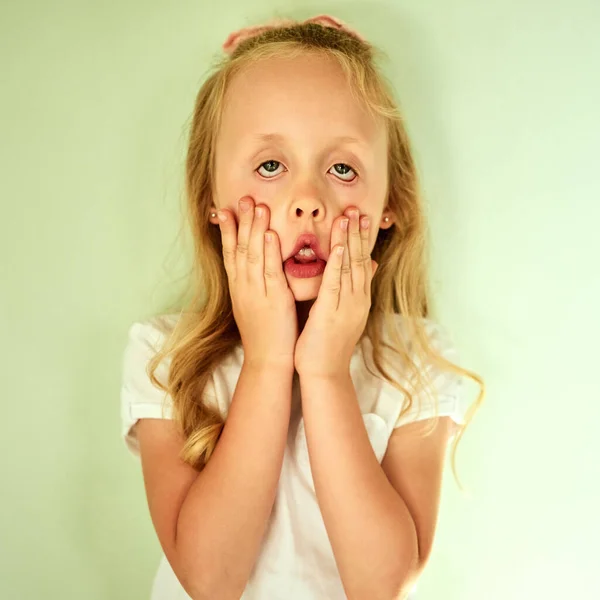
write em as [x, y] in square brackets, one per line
[237, 37]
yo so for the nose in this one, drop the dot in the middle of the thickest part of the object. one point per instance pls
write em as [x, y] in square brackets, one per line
[308, 208]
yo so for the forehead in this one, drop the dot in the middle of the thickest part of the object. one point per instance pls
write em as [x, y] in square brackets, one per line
[305, 95]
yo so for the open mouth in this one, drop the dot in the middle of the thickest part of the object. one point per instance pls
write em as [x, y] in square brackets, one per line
[301, 260]
[306, 255]
[305, 264]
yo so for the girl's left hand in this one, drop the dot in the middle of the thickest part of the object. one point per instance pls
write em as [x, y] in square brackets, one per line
[339, 314]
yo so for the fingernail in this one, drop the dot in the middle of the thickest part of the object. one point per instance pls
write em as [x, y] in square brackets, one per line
[344, 224]
[221, 216]
[259, 212]
[244, 206]
[353, 214]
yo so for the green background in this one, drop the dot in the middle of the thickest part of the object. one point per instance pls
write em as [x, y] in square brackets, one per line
[501, 101]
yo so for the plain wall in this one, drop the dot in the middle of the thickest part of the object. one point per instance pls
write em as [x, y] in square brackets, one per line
[501, 101]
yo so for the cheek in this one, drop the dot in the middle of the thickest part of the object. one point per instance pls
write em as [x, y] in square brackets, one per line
[263, 192]
[231, 184]
[238, 185]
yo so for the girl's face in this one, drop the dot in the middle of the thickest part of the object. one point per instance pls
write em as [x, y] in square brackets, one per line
[294, 138]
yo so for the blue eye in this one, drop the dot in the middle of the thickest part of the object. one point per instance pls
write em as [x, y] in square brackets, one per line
[270, 166]
[343, 170]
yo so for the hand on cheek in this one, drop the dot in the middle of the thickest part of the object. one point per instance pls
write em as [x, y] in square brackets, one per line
[338, 317]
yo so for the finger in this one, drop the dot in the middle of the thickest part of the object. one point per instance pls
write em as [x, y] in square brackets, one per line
[228, 229]
[364, 242]
[246, 216]
[374, 267]
[346, 270]
[355, 257]
[329, 294]
[274, 276]
[338, 233]
[256, 247]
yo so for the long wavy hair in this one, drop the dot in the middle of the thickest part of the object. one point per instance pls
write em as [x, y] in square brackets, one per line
[206, 331]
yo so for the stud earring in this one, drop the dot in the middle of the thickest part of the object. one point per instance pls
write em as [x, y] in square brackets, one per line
[213, 215]
[386, 219]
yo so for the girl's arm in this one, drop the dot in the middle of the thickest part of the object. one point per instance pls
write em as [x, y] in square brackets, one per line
[380, 518]
[211, 524]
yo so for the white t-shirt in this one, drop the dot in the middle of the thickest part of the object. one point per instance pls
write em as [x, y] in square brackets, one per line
[296, 561]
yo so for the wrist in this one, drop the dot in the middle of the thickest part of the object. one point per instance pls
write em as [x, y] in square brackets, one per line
[339, 374]
[262, 365]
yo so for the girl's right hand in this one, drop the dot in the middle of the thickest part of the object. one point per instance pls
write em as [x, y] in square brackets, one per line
[264, 307]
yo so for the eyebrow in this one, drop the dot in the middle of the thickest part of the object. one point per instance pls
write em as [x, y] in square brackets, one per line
[279, 139]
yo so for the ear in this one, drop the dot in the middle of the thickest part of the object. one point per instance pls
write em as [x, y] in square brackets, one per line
[214, 220]
[383, 224]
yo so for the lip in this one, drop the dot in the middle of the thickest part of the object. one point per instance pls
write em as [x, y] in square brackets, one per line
[311, 240]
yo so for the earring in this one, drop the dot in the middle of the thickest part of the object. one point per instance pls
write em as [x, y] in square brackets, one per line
[386, 219]
[213, 215]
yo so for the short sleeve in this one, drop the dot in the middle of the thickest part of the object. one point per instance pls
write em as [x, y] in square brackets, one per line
[140, 398]
[448, 387]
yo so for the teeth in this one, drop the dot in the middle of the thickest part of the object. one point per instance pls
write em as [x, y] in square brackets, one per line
[306, 252]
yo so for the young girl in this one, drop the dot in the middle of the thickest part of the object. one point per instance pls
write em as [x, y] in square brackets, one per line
[293, 419]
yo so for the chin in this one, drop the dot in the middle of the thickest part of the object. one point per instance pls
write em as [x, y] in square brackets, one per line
[305, 289]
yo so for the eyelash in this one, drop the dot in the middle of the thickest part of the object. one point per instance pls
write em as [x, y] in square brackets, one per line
[336, 164]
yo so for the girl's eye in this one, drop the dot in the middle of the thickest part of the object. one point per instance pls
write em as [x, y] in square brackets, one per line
[346, 172]
[269, 168]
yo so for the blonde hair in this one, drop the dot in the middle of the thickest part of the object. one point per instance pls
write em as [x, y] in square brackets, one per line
[206, 332]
